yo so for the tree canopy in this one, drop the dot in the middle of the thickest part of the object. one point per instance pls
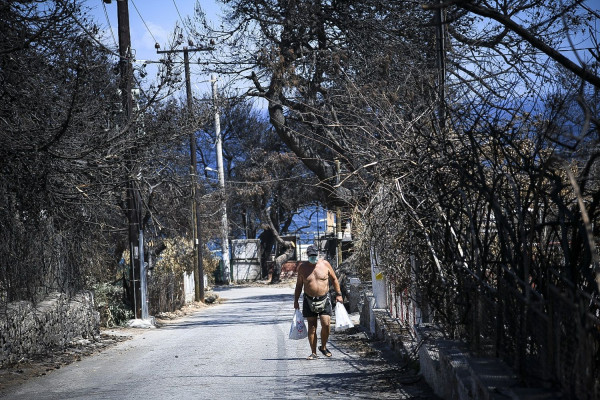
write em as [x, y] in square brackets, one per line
[468, 136]
[466, 133]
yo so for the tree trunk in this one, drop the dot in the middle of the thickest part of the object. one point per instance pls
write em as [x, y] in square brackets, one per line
[267, 240]
[288, 246]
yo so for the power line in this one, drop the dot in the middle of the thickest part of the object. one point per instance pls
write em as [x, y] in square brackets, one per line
[263, 181]
[109, 26]
[181, 19]
[142, 18]
[92, 36]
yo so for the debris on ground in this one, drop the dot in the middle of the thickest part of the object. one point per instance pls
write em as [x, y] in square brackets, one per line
[29, 367]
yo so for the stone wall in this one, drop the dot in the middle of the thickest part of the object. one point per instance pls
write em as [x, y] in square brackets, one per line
[27, 330]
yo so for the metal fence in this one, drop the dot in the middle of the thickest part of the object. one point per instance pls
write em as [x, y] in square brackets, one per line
[550, 337]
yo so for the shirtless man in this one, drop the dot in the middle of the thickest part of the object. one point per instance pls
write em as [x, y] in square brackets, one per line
[314, 276]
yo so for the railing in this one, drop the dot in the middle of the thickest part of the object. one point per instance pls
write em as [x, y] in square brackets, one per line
[550, 339]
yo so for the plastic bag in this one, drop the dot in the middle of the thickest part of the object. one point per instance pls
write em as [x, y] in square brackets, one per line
[342, 319]
[298, 329]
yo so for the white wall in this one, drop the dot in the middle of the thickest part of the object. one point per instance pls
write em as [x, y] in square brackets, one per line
[379, 283]
[189, 287]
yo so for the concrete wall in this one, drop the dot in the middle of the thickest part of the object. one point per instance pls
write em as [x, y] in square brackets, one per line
[27, 330]
[447, 365]
[245, 259]
[189, 287]
[378, 283]
[246, 270]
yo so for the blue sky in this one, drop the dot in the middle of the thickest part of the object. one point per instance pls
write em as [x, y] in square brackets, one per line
[151, 21]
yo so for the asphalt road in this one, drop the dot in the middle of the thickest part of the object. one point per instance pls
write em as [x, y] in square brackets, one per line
[235, 350]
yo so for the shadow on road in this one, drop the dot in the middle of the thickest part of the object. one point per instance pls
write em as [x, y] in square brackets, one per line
[267, 298]
[252, 310]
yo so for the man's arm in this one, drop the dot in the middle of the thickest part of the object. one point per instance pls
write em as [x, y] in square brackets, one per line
[335, 283]
[299, 284]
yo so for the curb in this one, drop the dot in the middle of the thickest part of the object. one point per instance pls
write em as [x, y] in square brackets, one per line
[447, 365]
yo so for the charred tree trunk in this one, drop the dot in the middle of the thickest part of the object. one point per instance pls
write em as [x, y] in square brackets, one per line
[288, 246]
[267, 241]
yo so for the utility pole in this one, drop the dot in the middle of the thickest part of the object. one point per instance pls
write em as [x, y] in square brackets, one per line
[134, 202]
[196, 232]
[441, 39]
[125, 68]
[338, 217]
[199, 270]
[224, 229]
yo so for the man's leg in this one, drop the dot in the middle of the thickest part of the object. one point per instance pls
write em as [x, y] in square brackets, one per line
[325, 328]
[312, 333]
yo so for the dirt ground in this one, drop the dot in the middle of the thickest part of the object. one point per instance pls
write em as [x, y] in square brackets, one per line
[28, 368]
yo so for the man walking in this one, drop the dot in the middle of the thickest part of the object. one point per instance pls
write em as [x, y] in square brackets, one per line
[314, 276]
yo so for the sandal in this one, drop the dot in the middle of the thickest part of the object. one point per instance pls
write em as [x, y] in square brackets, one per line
[313, 356]
[326, 352]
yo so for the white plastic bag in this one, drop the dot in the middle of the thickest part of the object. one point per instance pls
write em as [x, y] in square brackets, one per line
[342, 319]
[298, 329]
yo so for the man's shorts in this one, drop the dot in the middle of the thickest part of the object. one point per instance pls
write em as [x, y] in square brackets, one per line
[306, 310]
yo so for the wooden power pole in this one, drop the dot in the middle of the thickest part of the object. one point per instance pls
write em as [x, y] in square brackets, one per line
[196, 233]
[134, 200]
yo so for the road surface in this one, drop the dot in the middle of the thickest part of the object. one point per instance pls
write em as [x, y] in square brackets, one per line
[235, 350]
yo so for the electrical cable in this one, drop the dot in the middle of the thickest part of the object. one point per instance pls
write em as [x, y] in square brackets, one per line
[263, 181]
[109, 26]
[92, 36]
[142, 18]
[181, 19]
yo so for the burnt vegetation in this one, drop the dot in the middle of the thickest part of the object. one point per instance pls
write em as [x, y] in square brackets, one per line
[467, 134]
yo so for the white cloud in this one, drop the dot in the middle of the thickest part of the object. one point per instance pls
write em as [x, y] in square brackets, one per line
[143, 42]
